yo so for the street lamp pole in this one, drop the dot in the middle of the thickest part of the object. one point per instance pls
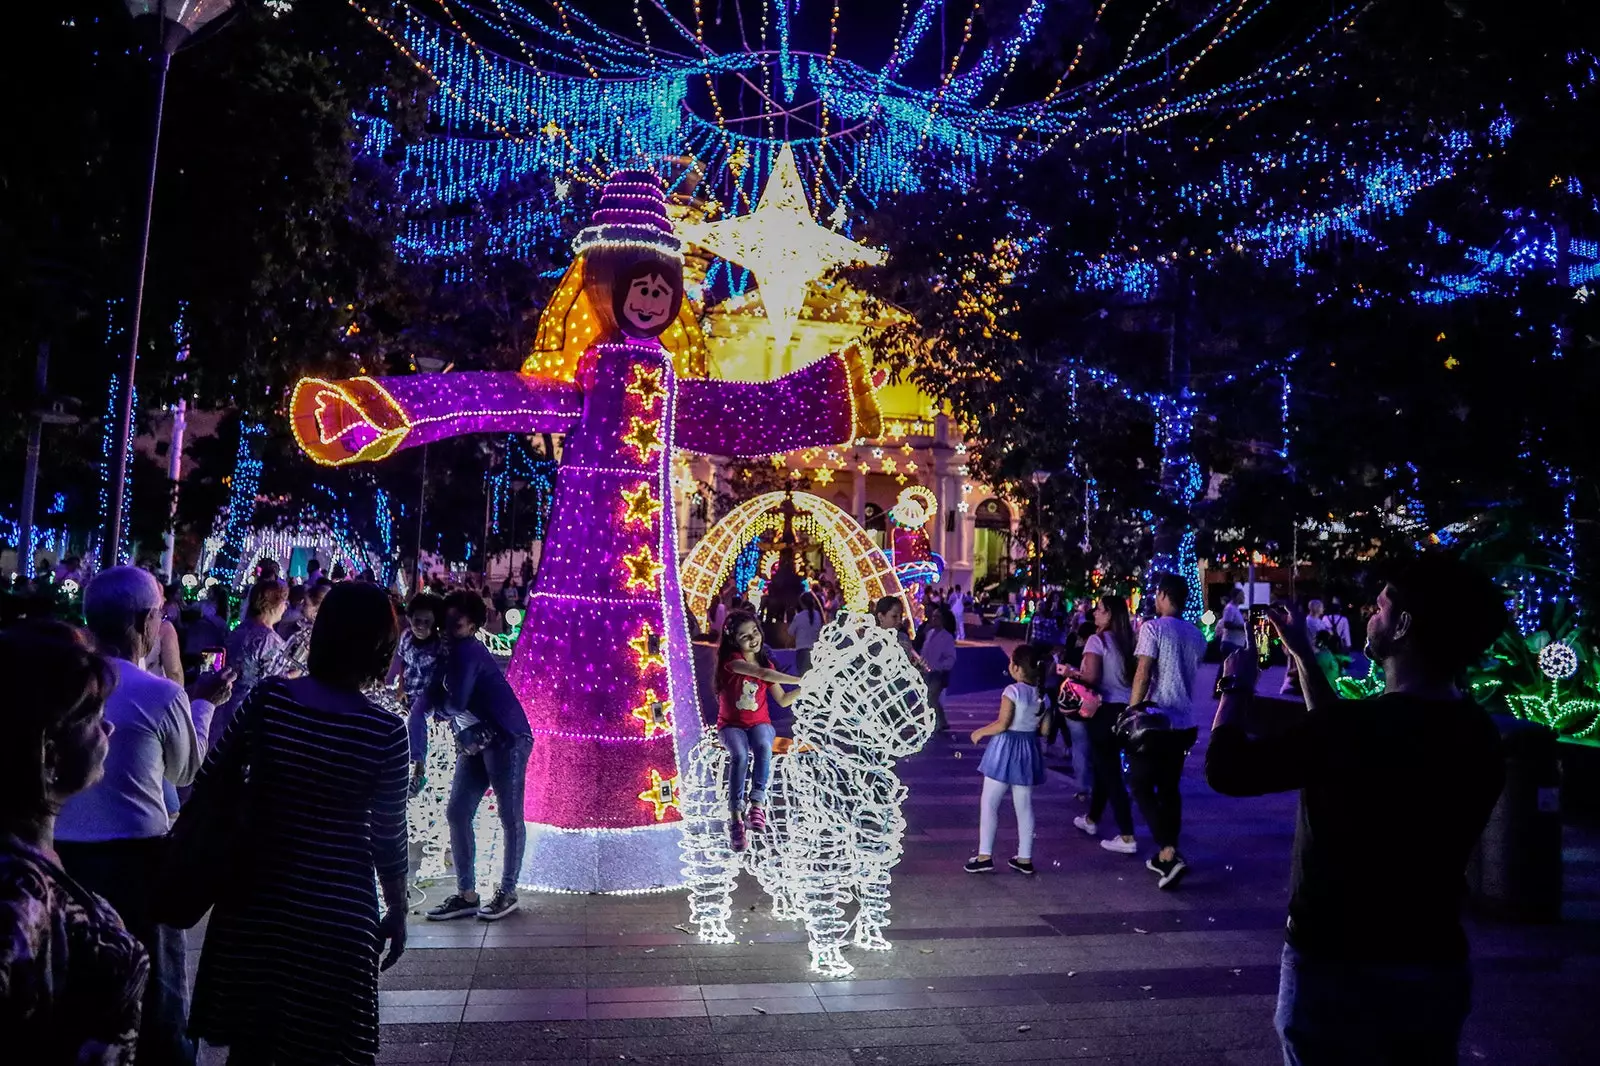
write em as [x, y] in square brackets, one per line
[119, 465]
[175, 22]
[1039, 478]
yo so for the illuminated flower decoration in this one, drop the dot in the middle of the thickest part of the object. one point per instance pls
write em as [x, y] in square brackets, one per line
[1559, 661]
[514, 617]
[834, 826]
[70, 587]
[190, 581]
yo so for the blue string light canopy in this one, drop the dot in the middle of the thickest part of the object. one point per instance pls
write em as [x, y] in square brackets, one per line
[709, 93]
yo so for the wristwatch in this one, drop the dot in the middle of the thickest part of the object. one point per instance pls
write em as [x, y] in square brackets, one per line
[1231, 683]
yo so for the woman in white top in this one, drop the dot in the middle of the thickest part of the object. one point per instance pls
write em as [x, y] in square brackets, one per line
[1107, 672]
[804, 627]
[1014, 760]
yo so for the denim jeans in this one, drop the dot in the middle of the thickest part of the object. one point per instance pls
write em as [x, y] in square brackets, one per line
[1083, 767]
[749, 755]
[122, 871]
[1331, 1013]
[503, 768]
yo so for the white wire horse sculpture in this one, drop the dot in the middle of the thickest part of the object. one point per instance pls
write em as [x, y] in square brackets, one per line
[834, 823]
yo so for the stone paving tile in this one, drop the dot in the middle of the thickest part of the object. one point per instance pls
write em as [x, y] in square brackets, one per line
[394, 1051]
[978, 958]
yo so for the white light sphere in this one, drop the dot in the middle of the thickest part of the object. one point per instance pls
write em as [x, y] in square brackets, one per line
[1559, 661]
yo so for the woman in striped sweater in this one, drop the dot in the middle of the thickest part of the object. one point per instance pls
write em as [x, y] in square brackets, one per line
[289, 972]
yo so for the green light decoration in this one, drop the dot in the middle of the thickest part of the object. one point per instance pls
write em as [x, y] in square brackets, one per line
[1359, 688]
[1550, 676]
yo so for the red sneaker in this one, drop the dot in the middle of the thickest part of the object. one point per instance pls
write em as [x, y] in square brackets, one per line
[736, 831]
[758, 817]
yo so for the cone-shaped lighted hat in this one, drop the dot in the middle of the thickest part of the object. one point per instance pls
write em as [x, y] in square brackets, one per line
[632, 214]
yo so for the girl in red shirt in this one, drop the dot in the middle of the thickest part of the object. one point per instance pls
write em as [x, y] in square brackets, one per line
[744, 678]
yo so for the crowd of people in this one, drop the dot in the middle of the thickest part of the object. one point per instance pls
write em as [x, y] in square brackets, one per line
[1374, 968]
[275, 737]
[294, 780]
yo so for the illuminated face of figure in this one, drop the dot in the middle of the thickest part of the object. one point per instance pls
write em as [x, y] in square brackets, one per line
[647, 305]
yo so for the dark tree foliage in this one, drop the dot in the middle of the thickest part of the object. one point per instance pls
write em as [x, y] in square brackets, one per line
[1393, 399]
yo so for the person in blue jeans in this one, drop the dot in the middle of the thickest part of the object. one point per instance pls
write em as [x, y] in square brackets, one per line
[744, 678]
[493, 742]
[1375, 964]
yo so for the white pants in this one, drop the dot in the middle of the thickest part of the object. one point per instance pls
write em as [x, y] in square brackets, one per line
[989, 816]
[961, 624]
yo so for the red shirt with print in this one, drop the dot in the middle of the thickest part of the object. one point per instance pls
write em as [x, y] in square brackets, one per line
[741, 700]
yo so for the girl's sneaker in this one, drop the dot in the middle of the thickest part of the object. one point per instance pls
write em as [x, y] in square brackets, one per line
[1120, 846]
[758, 817]
[976, 865]
[1022, 866]
[501, 905]
[456, 906]
[736, 833]
[1086, 825]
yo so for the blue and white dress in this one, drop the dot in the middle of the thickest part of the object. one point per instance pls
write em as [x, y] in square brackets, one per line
[1016, 756]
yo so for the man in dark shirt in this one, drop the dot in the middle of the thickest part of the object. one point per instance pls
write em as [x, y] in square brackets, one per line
[1375, 964]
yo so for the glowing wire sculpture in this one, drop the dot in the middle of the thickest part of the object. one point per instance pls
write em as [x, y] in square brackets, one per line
[834, 824]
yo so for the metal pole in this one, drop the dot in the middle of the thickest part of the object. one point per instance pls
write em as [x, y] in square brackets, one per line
[30, 470]
[119, 475]
[180, 411]
[422, 507]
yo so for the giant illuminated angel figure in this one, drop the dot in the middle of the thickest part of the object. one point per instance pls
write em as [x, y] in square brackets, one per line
[603, 665]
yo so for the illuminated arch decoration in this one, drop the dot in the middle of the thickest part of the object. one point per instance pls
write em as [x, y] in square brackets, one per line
[865, 573]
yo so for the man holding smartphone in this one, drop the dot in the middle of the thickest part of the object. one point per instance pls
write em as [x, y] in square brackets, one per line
[1375, 959]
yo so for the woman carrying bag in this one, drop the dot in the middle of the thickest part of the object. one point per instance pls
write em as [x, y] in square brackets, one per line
[303, 806]
[1107, 671]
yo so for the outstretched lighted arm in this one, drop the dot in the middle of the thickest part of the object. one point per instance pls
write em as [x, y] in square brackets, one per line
[364, 419]
[828, 402]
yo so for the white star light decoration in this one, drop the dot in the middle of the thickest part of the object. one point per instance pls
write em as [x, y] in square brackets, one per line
[782, 245]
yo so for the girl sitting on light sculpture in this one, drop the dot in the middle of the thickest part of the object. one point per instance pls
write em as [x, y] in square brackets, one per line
[744, 678]
[1015, 760]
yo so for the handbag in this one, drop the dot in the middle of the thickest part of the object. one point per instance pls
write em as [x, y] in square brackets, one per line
[206, 851]
[476, 738]
[1135, 725]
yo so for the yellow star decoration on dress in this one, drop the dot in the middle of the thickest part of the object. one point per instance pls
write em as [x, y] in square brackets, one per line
[647, 648]
[863, 467]
[643, 570]
[641, 504]
[663, 792]
[824, 476]
[656, 716]
[644, 437]
[646, 384]
[781, 244]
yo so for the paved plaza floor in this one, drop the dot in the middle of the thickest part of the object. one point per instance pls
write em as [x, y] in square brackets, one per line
[1086, 962]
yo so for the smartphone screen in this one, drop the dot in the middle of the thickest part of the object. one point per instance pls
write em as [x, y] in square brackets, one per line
[213, 659]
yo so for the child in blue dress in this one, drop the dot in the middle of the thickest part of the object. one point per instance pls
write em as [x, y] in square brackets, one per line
[1014, 760]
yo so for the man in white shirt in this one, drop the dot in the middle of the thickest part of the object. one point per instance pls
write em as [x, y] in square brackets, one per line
[1235, 631]
[111, 836]
[1168, 654]
[958, 610]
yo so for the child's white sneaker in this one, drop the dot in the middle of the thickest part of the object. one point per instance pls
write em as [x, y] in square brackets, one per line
[1120, 846]
[1085, 824]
